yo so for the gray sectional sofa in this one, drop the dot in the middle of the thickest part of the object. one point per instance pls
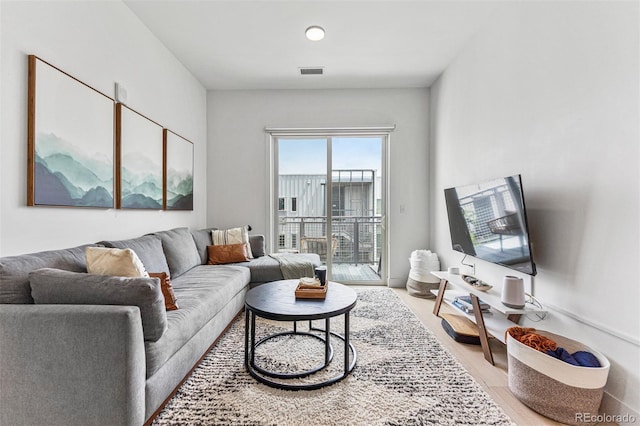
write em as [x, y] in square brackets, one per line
[83, 349]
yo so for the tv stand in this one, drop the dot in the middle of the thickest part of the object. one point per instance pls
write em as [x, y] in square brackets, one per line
[495, 324]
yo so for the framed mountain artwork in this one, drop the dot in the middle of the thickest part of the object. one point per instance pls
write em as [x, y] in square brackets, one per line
[139, 143]
[70, 140]
[178, 172]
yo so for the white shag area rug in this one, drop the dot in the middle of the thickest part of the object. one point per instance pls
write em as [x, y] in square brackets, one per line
[403, 376]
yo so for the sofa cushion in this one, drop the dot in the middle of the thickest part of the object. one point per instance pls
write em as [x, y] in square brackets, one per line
[228, 253]
[180, 250]
[170, 301]
[54, 286]
[149, 250]
[202, 238]
[203, 292]
[257, 245]
[239, 235]
[14, 270]
[114, 261]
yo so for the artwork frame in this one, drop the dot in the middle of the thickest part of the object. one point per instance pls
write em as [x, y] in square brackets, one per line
[178, 172]
[139, 161]
[70, 140]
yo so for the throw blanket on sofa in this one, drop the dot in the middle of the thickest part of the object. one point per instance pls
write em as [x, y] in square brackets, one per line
[294, 266]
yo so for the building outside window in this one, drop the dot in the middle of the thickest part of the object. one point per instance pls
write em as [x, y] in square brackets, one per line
[294, 204]
[281, 204]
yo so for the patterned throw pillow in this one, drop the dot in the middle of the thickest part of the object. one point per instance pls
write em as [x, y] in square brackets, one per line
[238, 235]
[227, 253]
[114, 262]
[170, 301]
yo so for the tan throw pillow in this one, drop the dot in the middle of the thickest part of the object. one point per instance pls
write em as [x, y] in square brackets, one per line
[167, 290]
[115, 262]
[238, 235]
[228, 253]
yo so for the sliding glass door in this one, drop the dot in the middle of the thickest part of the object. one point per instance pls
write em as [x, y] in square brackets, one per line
[329, 198]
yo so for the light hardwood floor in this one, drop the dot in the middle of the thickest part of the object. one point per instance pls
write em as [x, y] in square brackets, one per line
[492, 378]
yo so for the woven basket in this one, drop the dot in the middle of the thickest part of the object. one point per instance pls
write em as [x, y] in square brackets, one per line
[421, 289]
[552, 387]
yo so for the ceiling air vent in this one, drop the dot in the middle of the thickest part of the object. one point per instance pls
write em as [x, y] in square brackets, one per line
[312, 71]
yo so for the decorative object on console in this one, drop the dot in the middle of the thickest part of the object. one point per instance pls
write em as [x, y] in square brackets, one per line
[227, 253]
[70, 140]
[465, 304]
[513, 292]
[476, 283]
[178, 172]
[239, 235]
[138, 161]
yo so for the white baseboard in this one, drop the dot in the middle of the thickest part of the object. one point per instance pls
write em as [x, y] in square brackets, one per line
[397, 282]
[613, 410]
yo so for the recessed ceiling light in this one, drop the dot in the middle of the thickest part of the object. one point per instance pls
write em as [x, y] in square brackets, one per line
[314, 33]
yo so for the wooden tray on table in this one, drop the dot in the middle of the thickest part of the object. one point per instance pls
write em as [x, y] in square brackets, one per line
[311, 291]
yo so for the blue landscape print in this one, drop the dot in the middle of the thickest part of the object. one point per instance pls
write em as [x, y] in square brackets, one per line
[179, 190]
[68, 175]
[71, 145]
[179, 173]
[141, 181]
[140, 161]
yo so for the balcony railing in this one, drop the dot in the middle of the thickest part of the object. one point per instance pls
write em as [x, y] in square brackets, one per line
[354, 239]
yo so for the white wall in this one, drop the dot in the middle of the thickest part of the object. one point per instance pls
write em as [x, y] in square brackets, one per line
[550, 90]
[238, 153]
[100, 43]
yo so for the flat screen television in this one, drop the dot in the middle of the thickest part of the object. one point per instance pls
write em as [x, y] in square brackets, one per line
[488, 221]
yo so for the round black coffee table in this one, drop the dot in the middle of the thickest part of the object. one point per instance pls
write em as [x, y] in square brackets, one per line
[277, 301]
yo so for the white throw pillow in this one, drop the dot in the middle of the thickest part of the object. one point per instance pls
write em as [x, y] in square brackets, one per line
[238, 235]
[114, 261]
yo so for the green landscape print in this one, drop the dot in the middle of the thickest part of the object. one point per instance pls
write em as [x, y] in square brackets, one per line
[140, 161]
[67, 176]
[73, 161]
[179, 172]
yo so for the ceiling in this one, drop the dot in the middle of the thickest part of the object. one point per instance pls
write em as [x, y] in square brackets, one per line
[238, 44]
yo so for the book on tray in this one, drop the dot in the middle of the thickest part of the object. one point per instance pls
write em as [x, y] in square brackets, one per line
[464, 304]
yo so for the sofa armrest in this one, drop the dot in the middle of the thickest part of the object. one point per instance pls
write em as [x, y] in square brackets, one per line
[71, 365]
